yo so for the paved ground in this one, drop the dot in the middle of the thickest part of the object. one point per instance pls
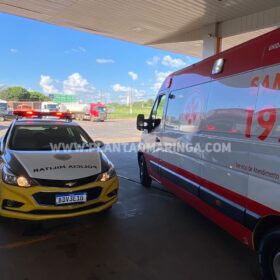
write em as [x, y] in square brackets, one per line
[110, 131]
[113, 131]
[149, 234]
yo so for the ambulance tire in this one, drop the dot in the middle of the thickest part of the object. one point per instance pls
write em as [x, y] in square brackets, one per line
[269, 255]
[145, 179]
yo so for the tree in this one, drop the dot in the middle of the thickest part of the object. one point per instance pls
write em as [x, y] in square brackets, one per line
[150, 102]
[37, 96]
[21, 94]
[15, 93]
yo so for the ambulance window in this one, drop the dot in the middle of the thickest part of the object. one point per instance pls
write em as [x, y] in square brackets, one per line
[186, 108]
[228, 104]
[158, 108]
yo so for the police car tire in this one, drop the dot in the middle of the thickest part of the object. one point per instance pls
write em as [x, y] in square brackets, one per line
[145, 179]
[269, 248]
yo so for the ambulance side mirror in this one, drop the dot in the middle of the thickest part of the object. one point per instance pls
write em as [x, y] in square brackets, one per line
[143, 123]
[140, 122]
[99, 144]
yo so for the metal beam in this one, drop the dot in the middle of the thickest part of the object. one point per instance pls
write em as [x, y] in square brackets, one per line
[253, 22]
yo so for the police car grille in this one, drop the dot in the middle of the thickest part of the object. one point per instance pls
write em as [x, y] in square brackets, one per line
[66, 183]
[48, 198]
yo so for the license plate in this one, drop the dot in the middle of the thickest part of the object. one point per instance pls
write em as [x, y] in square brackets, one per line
[70, 198]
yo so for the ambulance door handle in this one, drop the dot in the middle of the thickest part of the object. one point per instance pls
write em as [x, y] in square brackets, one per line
[157, 139]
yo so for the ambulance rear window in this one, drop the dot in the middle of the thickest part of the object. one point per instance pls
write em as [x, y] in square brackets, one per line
[48, 137]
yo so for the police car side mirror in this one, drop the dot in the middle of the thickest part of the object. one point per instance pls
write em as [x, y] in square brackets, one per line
[99, 144]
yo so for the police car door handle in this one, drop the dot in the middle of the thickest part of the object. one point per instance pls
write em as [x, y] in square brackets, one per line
[157, 139]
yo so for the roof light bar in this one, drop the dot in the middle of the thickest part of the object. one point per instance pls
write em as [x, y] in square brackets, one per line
[36, 114]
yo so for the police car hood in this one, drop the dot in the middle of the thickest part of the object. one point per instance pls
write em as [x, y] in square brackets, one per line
[58, 165]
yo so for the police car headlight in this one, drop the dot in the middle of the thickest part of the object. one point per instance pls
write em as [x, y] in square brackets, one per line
[108, 174]
[11, 179]
[23, 182]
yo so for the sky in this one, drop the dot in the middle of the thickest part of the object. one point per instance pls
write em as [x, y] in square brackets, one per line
[54, 59]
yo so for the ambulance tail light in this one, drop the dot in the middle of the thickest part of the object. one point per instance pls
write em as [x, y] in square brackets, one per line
[211, 127]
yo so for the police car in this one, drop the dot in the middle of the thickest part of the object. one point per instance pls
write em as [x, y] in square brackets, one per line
[51, 168]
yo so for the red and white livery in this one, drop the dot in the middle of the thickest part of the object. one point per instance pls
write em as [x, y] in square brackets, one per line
[225, 112]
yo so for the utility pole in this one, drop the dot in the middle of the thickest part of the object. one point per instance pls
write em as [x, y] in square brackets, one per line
[130, 101]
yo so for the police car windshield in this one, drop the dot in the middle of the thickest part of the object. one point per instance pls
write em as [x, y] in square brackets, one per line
[49, 137]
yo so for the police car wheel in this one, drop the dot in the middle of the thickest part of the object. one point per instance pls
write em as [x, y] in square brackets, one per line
[145, 179]
[269, 255]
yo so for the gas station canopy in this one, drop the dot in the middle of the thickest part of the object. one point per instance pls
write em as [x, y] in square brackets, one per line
[192, 27]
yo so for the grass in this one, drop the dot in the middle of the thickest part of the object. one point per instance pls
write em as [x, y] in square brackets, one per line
[117, 111]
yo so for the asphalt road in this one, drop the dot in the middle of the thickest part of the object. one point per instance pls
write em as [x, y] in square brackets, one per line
[148, 234]
[113, 131]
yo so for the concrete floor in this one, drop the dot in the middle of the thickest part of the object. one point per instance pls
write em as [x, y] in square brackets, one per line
[148, 234]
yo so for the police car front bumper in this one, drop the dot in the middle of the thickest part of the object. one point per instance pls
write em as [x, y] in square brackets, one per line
[38, 202]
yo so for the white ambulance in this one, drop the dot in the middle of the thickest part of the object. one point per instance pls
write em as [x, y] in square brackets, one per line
[213, 139]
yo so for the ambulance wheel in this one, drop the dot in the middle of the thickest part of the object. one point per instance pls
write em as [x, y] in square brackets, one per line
[269, 255]
[145, 179]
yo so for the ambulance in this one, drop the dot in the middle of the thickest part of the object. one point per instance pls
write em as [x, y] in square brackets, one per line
[213, 139]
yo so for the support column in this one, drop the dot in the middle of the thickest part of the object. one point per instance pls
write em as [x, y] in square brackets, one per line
[211, 45]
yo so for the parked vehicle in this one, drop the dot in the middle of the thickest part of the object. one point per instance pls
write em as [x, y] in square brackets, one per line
[24, 107]
[98, 112]
[51, 168]
[3, 110]
[42, 106]
[230, 99]
[48, 106]
[82, 111]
